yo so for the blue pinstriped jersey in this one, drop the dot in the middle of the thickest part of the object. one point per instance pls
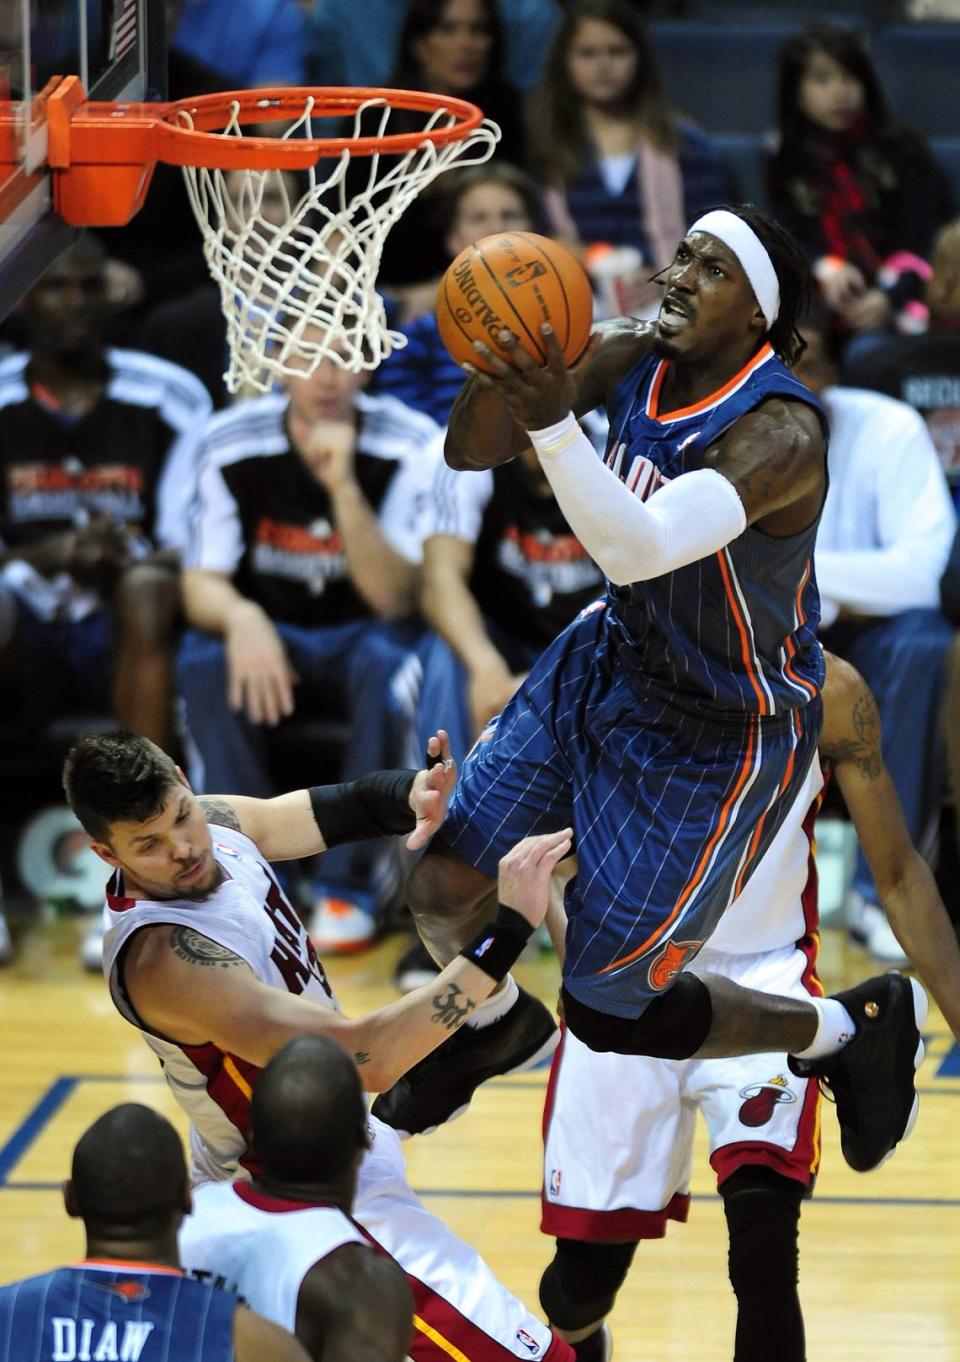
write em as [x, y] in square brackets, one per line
[115, 1313]
[735, 631]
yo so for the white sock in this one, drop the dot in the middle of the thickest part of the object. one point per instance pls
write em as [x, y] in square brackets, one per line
[835, 1029]
[497, 1005]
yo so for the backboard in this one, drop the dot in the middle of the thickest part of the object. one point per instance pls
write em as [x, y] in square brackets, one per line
[118, 49]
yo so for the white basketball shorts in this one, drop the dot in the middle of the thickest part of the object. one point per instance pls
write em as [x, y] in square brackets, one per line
[618, 1129]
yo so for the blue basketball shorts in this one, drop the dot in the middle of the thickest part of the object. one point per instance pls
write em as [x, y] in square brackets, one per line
[670, 811]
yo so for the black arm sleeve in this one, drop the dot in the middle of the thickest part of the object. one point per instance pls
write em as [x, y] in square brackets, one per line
[377, 805]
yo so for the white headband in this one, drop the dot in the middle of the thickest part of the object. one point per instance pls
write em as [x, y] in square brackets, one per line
[752, 254]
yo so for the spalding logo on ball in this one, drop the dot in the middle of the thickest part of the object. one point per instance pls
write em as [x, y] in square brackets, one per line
[516, 280]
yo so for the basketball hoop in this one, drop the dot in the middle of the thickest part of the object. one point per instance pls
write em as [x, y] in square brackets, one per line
[297, 285]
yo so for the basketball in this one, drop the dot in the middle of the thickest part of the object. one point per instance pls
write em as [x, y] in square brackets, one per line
[516, 280]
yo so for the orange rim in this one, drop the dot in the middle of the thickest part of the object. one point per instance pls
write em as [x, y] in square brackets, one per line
[211, 113]
[103, 154]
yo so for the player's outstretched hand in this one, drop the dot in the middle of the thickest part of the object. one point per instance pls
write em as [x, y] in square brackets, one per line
[537, 395]
[524, 873]
[431, 790]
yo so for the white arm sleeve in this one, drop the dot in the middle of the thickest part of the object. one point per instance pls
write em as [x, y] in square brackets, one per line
[689, 518]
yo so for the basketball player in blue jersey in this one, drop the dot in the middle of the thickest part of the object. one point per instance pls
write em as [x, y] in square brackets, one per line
[673, 724]
[129, 1299]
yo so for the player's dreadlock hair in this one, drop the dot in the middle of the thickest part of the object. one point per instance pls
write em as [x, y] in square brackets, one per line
[793, 276]
[112, 776]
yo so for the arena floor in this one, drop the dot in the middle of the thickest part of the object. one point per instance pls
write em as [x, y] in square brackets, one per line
[880, 1254]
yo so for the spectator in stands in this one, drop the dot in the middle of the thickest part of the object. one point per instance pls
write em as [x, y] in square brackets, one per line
[619, 166]
[341, 52]
[859, 192]
[98, 449]
[447, 47]
[99, 452]
[882, 545]
[470, 203]
[303, 567]
[925, 370]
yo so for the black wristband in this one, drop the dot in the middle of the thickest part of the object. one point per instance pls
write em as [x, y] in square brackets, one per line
[497, 947]
[377, 805]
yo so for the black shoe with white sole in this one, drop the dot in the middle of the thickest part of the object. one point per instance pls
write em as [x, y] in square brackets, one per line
[873, 1077]
[440, 1087]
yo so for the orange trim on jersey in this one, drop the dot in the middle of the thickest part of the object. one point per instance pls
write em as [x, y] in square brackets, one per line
[233, 1072]
[742, 631]
[764, 353]
[132, 1265]
[789, 646]
[653, 397]
[702, 865]
[442, 1343]
[754, 843]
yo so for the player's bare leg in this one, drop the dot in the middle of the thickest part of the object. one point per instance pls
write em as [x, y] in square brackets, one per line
[450, 901]
[747, 1022]
[951, 721]
[512, 1031]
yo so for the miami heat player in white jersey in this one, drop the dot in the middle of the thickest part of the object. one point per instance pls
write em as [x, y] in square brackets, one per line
[259, 1247]
[458, 1299]
[249, 915]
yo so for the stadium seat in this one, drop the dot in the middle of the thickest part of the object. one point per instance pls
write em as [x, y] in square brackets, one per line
[743, 154]
[722, 75]
[919, 69]
[947, 153]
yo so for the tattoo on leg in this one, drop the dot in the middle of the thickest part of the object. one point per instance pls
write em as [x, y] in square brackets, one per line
[451, 1013]
[219, 811]
[200, 950]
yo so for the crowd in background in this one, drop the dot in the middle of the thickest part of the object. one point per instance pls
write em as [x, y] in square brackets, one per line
[282, 583]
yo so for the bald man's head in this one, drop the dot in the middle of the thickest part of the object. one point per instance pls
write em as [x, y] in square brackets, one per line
[308, 1117]
[129, 1176]
[943, 290]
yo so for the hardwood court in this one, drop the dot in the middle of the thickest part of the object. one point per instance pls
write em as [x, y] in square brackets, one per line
[880, 1254]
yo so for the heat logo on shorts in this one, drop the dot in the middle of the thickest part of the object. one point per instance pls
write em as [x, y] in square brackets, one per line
[761, 1100]
[528, 1341]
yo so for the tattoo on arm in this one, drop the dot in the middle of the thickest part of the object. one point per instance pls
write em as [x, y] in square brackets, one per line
[864, 750]
[220, 812]
[451, 1012]
[361, 1057]
[200, 950]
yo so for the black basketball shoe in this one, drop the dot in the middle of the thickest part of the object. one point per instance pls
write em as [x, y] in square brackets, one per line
[440, 1087]
[872, 1077]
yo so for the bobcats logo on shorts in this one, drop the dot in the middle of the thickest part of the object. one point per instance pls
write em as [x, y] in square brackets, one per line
[670, 962]
[762, 1099]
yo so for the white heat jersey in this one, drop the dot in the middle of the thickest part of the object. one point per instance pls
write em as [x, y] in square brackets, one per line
[249, 915]
[259, 1247]
[778, 905]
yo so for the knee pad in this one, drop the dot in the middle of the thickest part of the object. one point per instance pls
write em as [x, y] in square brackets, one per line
[763, 1214]
[763, 1211]
[582, 1282]
[673, 1026]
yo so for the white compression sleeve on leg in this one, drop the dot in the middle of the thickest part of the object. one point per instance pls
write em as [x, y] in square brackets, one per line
[689, 518]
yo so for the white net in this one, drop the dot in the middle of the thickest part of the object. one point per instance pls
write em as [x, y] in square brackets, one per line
[297, 275]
